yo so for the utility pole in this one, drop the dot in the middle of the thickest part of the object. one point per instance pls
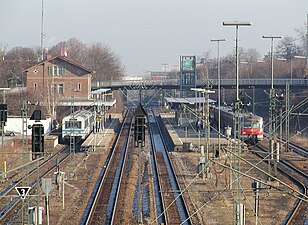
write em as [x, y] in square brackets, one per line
[307, 43]
[287, 123]
[272, 163]
[25, 159]
[206, 113]
[72, 135]
[207, 91]
[253, 100]
[42, 31]
[139, 184]
[3, 120]
[239, 208]
[218, 91]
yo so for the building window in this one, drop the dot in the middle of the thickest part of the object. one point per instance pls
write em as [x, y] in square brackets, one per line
[62, 71]
[78, 88]
[61, 89]
[50, 70]
[35, 86]
[56, 70]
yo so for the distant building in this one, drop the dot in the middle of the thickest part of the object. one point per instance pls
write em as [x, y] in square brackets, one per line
[132, 78]
[164, 75]
[59, 78]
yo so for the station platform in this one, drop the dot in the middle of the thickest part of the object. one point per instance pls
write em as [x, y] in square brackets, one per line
[187, 138]
[102, 140]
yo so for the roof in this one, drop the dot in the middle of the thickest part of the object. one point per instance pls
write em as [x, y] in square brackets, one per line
[66, 60]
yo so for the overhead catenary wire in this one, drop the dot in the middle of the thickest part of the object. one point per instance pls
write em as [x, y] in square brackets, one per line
[304, 196]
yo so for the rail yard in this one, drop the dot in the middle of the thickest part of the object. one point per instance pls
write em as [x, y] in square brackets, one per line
[215, 137]
[120, 182]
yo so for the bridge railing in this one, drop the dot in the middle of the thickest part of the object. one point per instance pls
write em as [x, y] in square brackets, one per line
[227, 82]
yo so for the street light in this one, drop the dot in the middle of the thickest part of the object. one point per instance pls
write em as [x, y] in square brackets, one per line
[272, 112]
[236, 24]
[218, 88]
[272, 37]
[236, 131]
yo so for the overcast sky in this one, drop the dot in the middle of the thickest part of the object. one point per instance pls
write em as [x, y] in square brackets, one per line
[149, 33]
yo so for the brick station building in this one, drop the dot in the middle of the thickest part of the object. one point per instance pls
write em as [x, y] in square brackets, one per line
[69, 79]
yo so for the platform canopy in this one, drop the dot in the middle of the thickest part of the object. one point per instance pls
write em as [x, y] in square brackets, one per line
[86, 102]
[100, 91]
[190, 101]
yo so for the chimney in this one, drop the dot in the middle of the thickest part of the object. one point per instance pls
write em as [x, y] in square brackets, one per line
[63, 52]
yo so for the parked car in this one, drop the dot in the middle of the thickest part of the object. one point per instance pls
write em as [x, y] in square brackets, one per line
[9, 133]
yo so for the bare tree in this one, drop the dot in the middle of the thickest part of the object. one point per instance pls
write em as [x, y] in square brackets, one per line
[75, 49]
[14, 62]
[288, 48]
[205, 62]
[106, 63]
[97, 57]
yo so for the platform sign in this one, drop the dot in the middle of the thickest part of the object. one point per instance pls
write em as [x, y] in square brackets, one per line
[22, 191]
[188, 75]
[46, 185]
[188, 63]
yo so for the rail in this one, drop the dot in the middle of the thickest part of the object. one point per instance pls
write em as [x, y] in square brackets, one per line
[103, 198]
[167, 170]
[5, 212]
[303, 188]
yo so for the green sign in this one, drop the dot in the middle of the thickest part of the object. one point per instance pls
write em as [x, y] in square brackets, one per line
[188, 64]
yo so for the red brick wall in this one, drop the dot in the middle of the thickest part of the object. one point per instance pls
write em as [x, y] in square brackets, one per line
[73, 78]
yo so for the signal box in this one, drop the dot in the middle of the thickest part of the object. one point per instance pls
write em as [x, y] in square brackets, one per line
[140, 125]
[37, 141]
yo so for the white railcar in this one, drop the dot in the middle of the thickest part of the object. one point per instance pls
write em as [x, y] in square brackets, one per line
[78, 124]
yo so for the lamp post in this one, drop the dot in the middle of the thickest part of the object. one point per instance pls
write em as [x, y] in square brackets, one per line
[272, 111]
[299, 57]
[237, 148]
[236, 24]
[218, 88]
[272, 37]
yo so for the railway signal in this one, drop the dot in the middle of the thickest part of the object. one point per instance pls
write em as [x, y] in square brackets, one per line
[37, 140]
[37, 133]
[140, 125]
[3, 113]
[3, 120]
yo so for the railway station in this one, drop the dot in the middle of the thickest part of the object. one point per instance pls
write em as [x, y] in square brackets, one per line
[120, 126]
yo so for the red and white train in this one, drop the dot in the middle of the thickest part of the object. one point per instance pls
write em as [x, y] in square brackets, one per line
[251, 130]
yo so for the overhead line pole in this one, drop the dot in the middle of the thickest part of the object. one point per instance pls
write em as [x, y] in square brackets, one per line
[218, 89]
[272, 164]
[239, 216]
[42, 31]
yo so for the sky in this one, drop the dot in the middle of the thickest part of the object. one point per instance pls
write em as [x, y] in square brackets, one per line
[148, 33]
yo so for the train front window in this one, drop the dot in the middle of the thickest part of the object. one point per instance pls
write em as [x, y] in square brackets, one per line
[250, 125]
[72, 124]
[246, 125]
[255, 125]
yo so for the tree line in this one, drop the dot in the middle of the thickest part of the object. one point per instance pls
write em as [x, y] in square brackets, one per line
[96, 56]
[288, 57]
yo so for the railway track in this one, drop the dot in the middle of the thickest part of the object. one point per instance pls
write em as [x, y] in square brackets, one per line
[9, 204]
[172, 206]
[299, 178]
[296, 148]
[102, 203]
